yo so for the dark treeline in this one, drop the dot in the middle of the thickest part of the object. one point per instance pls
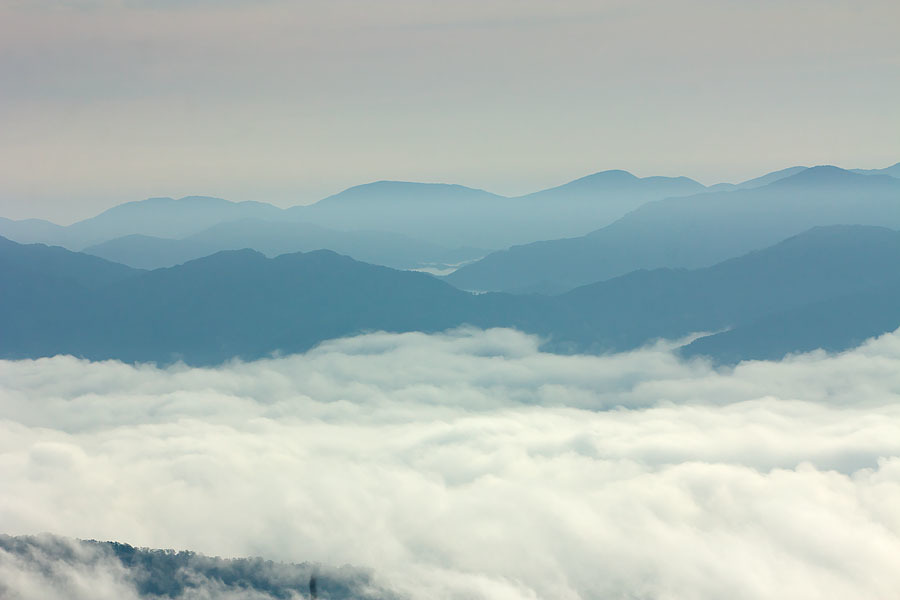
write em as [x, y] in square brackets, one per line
[164, 574]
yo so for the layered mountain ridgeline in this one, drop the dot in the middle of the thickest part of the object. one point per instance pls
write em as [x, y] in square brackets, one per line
[833, 325]
[274, 238]
[55, 567]
[242, 304]
[757, 181]
[230, 304]
[893, 171]
[454, 215]
[807, 272]
[162, 217]
[444, 215]
[397, 224]
[459, 216]
[690, 232]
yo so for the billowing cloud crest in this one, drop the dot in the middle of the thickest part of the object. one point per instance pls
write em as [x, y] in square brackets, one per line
[59, 568]
[470, 465]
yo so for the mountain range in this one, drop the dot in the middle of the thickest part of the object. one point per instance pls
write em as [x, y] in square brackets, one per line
[830, 274]
[398, 224]
[273, 238]
[691, 232]
[445, 215]
[240, 304]
[454, 215]
[163, 217]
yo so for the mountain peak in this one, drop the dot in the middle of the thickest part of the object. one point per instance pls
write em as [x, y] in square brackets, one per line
[770, 177]
[822, 174]
[610, 176]
[157, 201]
[405, 192]
[227, 258]
[614, 178]
[389, 185]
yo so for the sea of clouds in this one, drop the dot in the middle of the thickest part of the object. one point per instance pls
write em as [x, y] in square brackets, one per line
[472, 465]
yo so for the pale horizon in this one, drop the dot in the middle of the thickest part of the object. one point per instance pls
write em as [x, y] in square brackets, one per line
[108, 101]
[289, 201]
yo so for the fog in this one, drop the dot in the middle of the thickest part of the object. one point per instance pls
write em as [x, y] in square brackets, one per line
[471, 465]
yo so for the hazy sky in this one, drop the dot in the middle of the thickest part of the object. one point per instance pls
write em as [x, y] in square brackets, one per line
[105, 101]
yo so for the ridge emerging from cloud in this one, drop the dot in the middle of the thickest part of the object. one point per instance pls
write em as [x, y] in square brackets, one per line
[471, 465]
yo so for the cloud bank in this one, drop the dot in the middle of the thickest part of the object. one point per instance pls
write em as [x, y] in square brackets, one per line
[471, 465]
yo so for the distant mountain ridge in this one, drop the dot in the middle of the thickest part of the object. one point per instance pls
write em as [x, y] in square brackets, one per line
[820, 265]
[432, 221]
[447, 215]
[893, 171]
[757, 181]
[691, 231]
[616, 180]
[274, 238]
[832, 324]
[171, 218]
[434, 226]
[410, 192]
[161, 217]
[454, 215]
[829, 176]
[242, 304]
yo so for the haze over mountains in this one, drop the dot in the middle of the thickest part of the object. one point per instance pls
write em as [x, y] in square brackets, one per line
[164, 217]
[398, 224]
[246, 279]
[843, 278]
[240, 304]
[456, 215]
[693, 231]
[282, 237]
[893, 171]
[355, 413]
[448, 215]
[757, 181]
[436, 300]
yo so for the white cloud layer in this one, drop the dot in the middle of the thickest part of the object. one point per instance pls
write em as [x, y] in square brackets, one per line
[40, 575]
[470, 465]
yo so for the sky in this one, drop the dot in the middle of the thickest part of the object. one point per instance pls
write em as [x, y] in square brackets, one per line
[107, 101]
[471, 465]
